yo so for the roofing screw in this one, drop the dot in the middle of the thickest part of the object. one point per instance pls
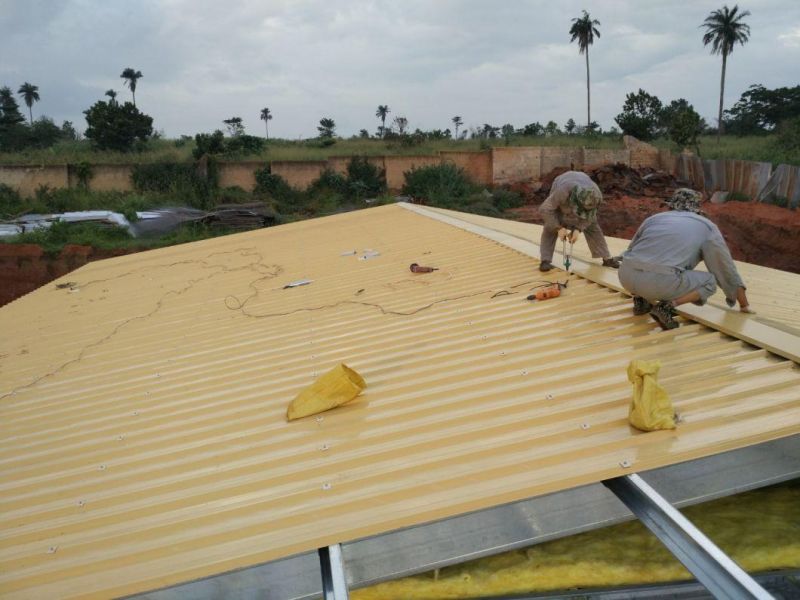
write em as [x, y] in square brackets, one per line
[483, 337]
[81, 503]
[136, 413]
[625, 464]
[524, 371]
[584, 426]
[502, 353]
[101, 468]
[548, 397]
[120, 438]
[52, 549]
[326, 486]
[319, 419]
[324, 447]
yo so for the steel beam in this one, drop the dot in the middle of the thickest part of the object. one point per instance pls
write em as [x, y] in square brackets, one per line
[710, 565]
[334, 582]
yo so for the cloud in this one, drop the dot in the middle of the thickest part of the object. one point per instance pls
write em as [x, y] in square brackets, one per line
[511, 62]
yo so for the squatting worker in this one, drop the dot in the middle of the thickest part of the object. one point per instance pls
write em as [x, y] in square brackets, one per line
[658, 266]
[571, 208]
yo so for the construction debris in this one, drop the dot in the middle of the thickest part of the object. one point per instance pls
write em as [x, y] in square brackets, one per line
[336, 387]
[620, 180]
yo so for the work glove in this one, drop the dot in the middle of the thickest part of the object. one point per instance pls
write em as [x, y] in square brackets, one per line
[574, 236]
[563, 233]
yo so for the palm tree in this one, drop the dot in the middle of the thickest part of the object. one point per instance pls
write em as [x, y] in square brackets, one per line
[266, 115]
[724, 29]
[29, 93]
[584, 29]
[131, 77]
[457, 122]
[113, 95]
[381, 113]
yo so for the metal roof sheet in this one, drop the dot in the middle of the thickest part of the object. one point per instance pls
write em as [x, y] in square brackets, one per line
[144, 439]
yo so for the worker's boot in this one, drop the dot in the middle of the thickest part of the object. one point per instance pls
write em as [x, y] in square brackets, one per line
[641, 306]
[545, 266]
[664, 313]
[612, 262]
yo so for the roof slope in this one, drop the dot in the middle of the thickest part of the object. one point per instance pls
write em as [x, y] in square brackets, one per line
[144, 440]
[774, 294]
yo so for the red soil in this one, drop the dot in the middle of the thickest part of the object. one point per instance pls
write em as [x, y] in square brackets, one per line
[25, 267]
[757, 233]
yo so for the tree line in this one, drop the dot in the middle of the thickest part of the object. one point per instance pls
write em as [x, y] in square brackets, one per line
[114, 125]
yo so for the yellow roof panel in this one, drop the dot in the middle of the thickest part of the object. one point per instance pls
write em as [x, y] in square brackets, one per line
[144, 439]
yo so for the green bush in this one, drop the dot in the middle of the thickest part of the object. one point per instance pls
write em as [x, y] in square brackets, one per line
[61, 233]
[444, 185]
[114, 126]
[364, 178]
[11, 203]
[243, 145]
[274, 187]
[504, 199]
[183, 181]
[788, 138]
[208, 144]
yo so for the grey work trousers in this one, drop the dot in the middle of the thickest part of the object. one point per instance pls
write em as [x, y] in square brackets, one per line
[654, 287]
[594, 238]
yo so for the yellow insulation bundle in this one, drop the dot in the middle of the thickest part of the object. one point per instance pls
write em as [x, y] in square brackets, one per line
[651, 408]
[336, 387]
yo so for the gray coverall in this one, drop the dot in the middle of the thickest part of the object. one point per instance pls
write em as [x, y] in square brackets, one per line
[557, 212]
[659, 263]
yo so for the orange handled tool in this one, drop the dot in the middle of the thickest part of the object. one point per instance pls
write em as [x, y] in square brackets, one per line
[545, 292]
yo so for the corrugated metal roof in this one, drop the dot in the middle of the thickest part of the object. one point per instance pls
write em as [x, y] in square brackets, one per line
[144, 439]
[774, 294]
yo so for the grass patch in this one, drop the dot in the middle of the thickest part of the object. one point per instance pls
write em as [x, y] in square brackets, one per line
[758, 148]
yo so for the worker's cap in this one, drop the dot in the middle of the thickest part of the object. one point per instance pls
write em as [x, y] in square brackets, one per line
[585, 201]
[685, 199]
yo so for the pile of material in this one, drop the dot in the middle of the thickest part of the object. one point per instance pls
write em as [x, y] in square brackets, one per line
[620, 180]
[241, 217]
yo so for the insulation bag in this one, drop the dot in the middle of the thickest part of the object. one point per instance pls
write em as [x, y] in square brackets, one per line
[336, 387]
[651, 409]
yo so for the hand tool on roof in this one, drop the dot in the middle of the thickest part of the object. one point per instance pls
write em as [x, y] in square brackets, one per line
[571, 236]
[415, 268]
[547, 290]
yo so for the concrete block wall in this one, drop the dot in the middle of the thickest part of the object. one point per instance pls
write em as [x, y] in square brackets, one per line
[397, 166]
[299, 174]
[106, 178]
[516, 164]
[552, 157]
[600, 157]
[26, 179]
[240, 174]
[642, 153]
[478, 165]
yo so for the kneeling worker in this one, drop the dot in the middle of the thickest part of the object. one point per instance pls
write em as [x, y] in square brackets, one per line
[571, 208]
[658, 266]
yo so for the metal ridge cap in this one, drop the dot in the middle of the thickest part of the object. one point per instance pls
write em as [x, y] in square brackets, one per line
[736, 324]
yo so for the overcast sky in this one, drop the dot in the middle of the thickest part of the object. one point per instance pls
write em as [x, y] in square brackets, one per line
[489, 62]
